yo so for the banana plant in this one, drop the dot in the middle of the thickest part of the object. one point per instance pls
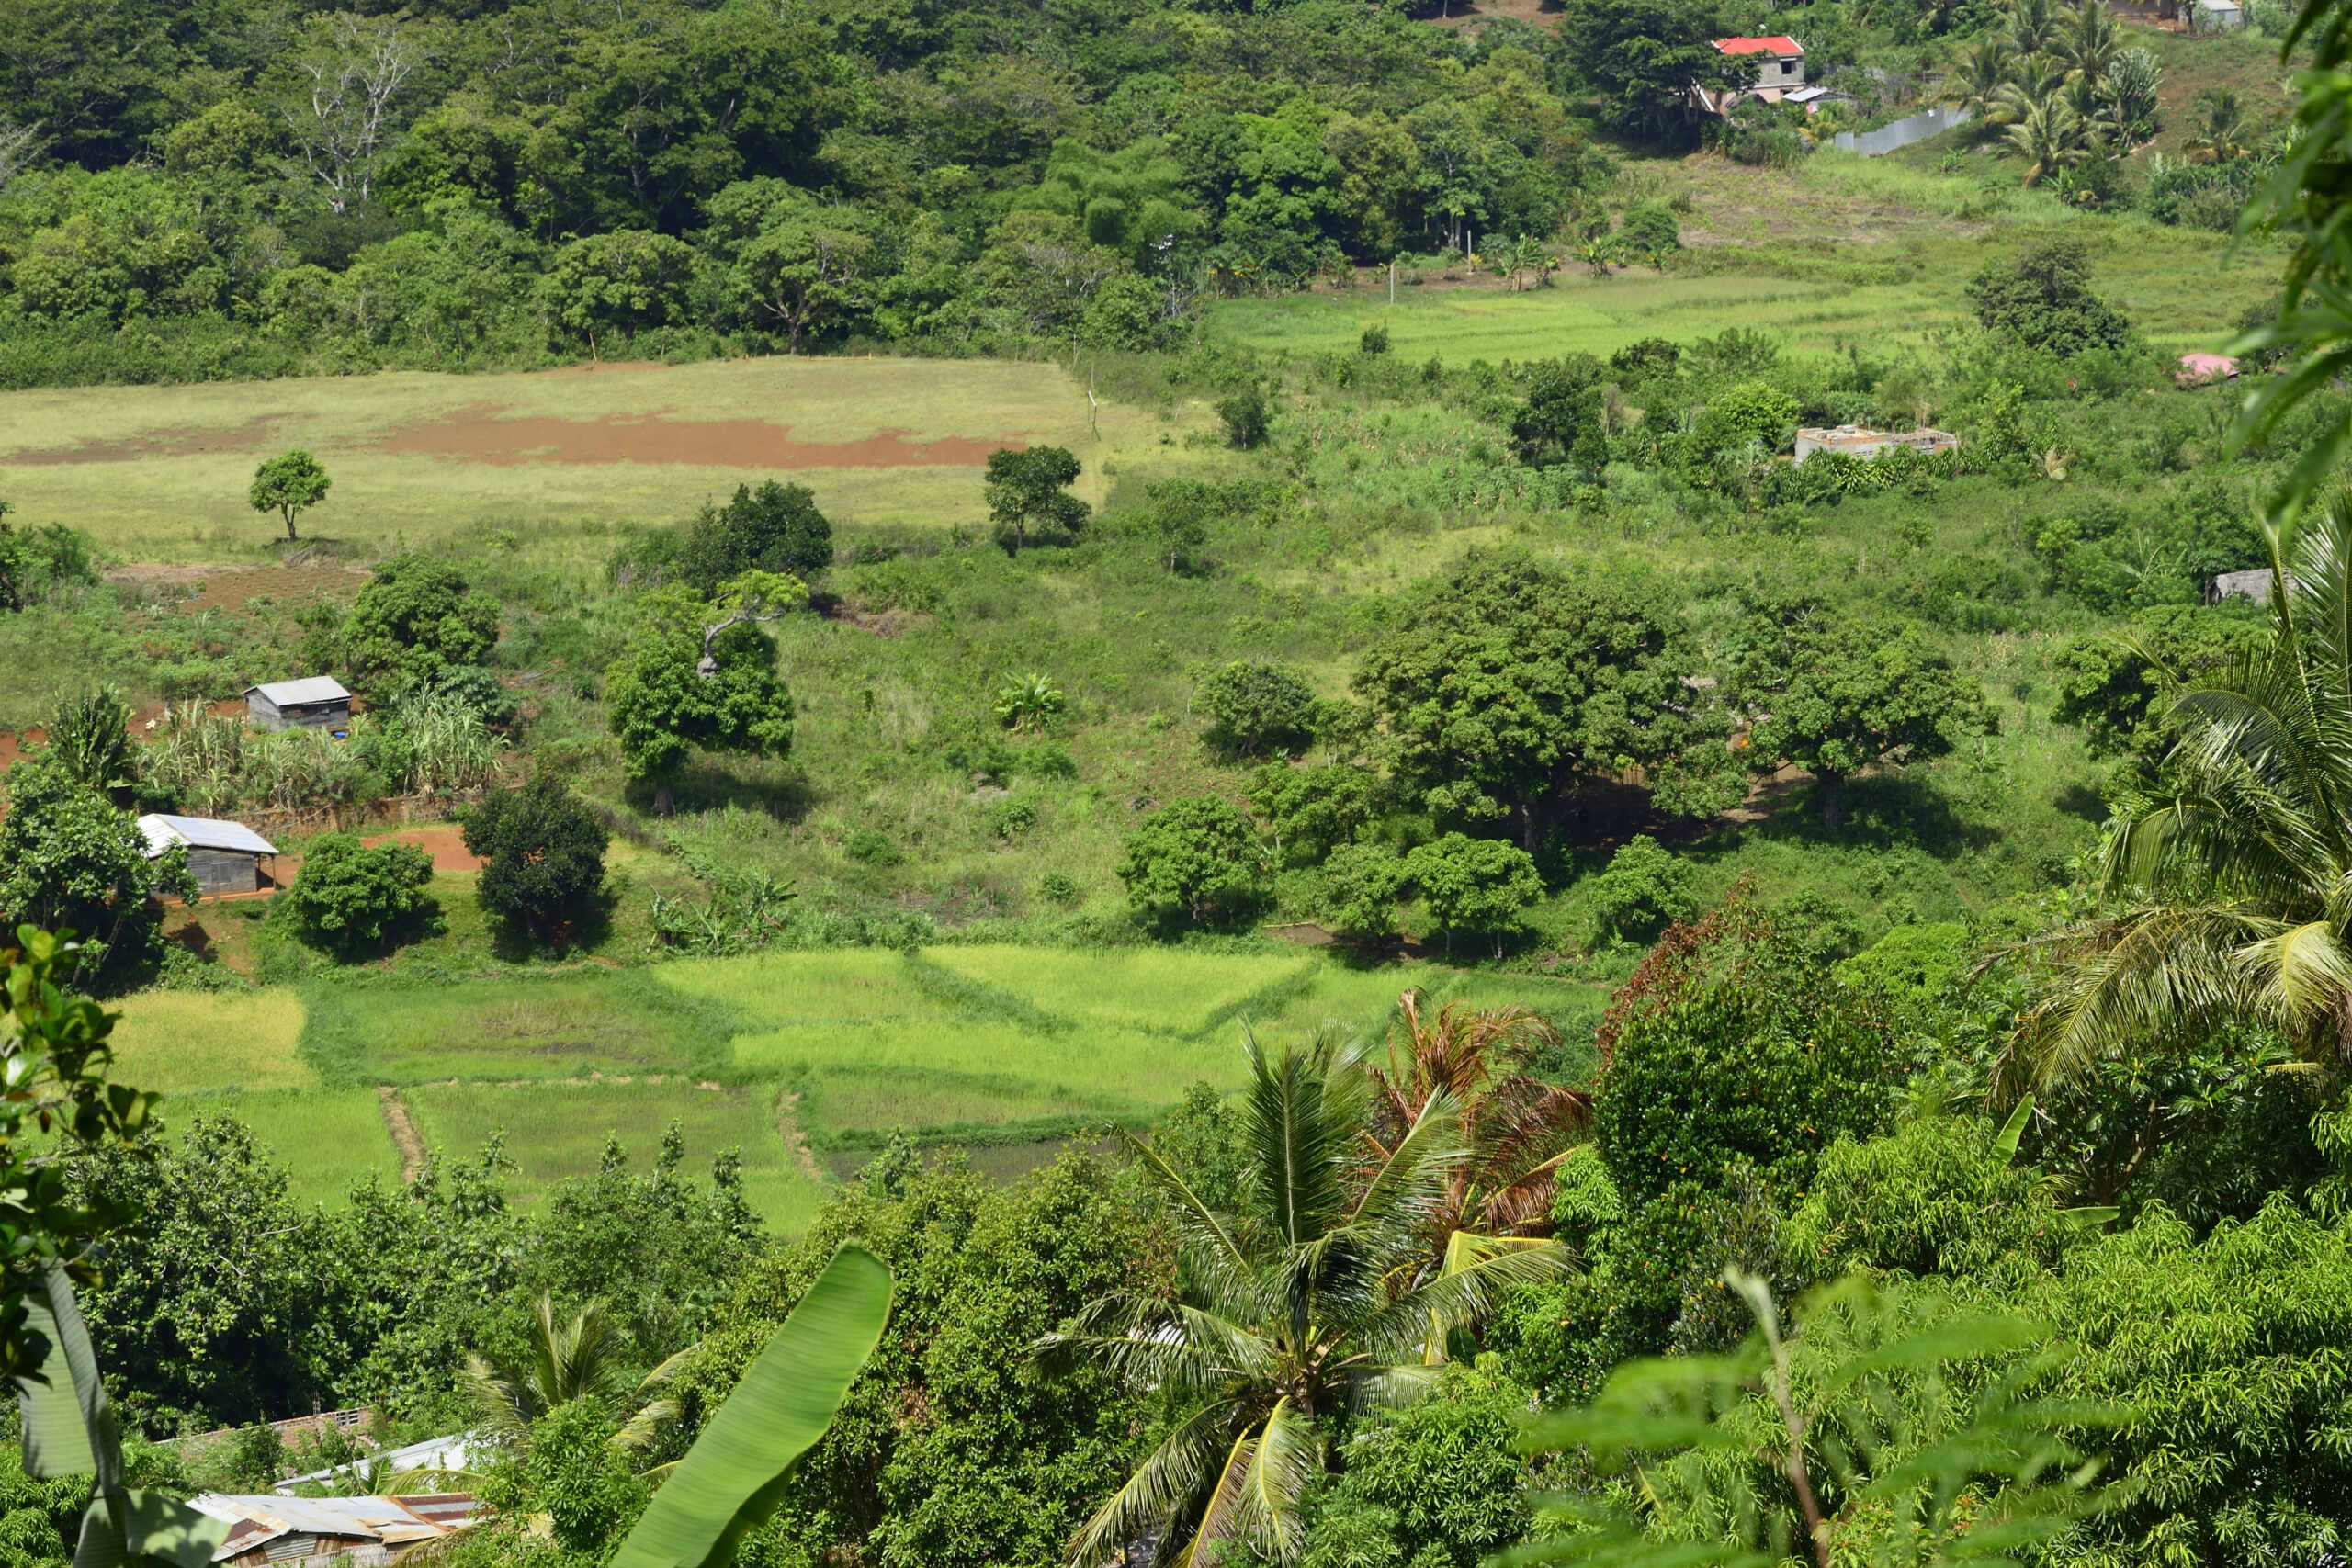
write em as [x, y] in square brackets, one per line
[70, 1429]
[736, 1473]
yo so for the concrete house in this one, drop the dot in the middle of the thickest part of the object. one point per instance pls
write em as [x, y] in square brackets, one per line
[225, 856]
[1855, 441]
[1779, 72]
[316, 701]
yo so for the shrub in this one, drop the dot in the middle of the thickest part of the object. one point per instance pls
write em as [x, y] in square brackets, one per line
[1648, 229]
[1196, 862]
[871, 846]
[1255, 708]
[543, 852]
[2043, 299]
[1644, 890]
[348, 895]
[773, 528]
[1750, 410]
[1246, 415]
[416, 618]
[1375, 340]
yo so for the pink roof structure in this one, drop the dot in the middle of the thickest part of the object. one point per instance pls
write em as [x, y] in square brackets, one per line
[1774, 45]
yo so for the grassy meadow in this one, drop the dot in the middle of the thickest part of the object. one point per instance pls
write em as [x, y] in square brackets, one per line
[160, 473]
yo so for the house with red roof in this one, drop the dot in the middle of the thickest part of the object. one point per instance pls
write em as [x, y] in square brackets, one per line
[1780, 73]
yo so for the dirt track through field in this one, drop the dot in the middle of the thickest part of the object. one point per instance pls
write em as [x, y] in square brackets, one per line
[480, 434]
[402, 1123]
[192, 441]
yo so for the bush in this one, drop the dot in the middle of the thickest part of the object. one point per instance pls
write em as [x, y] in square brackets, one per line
[348, 895]
[2043, 299]
[1196, 862]
[1247, 416]
[1644, 890]
[1648, 229]
[773, 528]
[543, 852]
[1255, 708]
[416, 618]
[1373, 341]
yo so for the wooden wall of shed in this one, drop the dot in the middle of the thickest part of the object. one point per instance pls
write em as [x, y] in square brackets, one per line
[225, 871]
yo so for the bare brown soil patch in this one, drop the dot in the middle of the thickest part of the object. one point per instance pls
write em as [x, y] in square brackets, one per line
[481, 435]
[231, 588]
[185, 441]
[1471, 13]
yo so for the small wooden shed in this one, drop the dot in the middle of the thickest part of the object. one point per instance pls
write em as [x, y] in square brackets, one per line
[315, 702]
[225, 856]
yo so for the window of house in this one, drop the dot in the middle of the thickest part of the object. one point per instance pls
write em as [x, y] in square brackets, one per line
[1787, 66]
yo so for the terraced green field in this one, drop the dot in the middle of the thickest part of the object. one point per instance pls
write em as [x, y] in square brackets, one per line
[795, 1061]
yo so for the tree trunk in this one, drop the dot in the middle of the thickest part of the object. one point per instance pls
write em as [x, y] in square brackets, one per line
[1833, 801]
[289, 521]
[661, 798]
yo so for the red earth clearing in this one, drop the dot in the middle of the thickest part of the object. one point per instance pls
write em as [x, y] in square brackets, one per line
[191, 441]
[480, 434]
[443, 842]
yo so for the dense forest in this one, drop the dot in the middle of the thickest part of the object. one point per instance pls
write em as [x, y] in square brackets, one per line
[1747, 1012]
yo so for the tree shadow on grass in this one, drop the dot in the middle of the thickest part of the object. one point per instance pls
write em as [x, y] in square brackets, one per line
[510, 942]
[1883, 811]
[711, 786]
[2079, 800]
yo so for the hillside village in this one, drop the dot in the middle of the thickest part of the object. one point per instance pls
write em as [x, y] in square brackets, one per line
[1325, 784]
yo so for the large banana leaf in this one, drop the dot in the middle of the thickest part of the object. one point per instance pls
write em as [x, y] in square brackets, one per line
[69, 1430]
[735, 1475]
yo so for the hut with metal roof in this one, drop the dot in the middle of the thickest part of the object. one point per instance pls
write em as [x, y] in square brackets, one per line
[363, 1532]
[225, 856]
[315, 702]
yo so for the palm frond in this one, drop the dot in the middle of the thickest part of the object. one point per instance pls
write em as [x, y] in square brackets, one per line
[1170, 1478]
[1400, 1330]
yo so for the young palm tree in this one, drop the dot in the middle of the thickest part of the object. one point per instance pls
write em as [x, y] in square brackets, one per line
[1284, 1313]
[1516, 1128]
[2225, 136]
[2131, 85]
[565, 1362]
[2034, 80]
[2049, 137]
[2033, 26]
[1976, 82]
[2234, 886]
[2088, 41]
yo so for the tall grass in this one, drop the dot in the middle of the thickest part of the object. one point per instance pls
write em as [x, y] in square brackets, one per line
[176, 1041]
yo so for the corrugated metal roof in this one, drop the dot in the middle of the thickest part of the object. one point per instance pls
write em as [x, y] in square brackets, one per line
[456, 1453]
[201, 833]
[393, 1522]
[300, 693]
[1777, 44]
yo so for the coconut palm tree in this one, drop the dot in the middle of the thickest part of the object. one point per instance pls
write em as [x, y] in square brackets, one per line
[2033, 80]
[2231, 893]
[564, 1362]
[1976, 83]
[2049, 137]
[2087, 43]
[1517, 1128]
[1286, 1313]
[2032, 24]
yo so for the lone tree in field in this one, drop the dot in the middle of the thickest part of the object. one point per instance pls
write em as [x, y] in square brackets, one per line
[289, 485]
[544, 856]
[702, 675]
[1029, 493]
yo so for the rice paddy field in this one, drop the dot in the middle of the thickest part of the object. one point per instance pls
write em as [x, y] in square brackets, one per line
[801, 1063]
